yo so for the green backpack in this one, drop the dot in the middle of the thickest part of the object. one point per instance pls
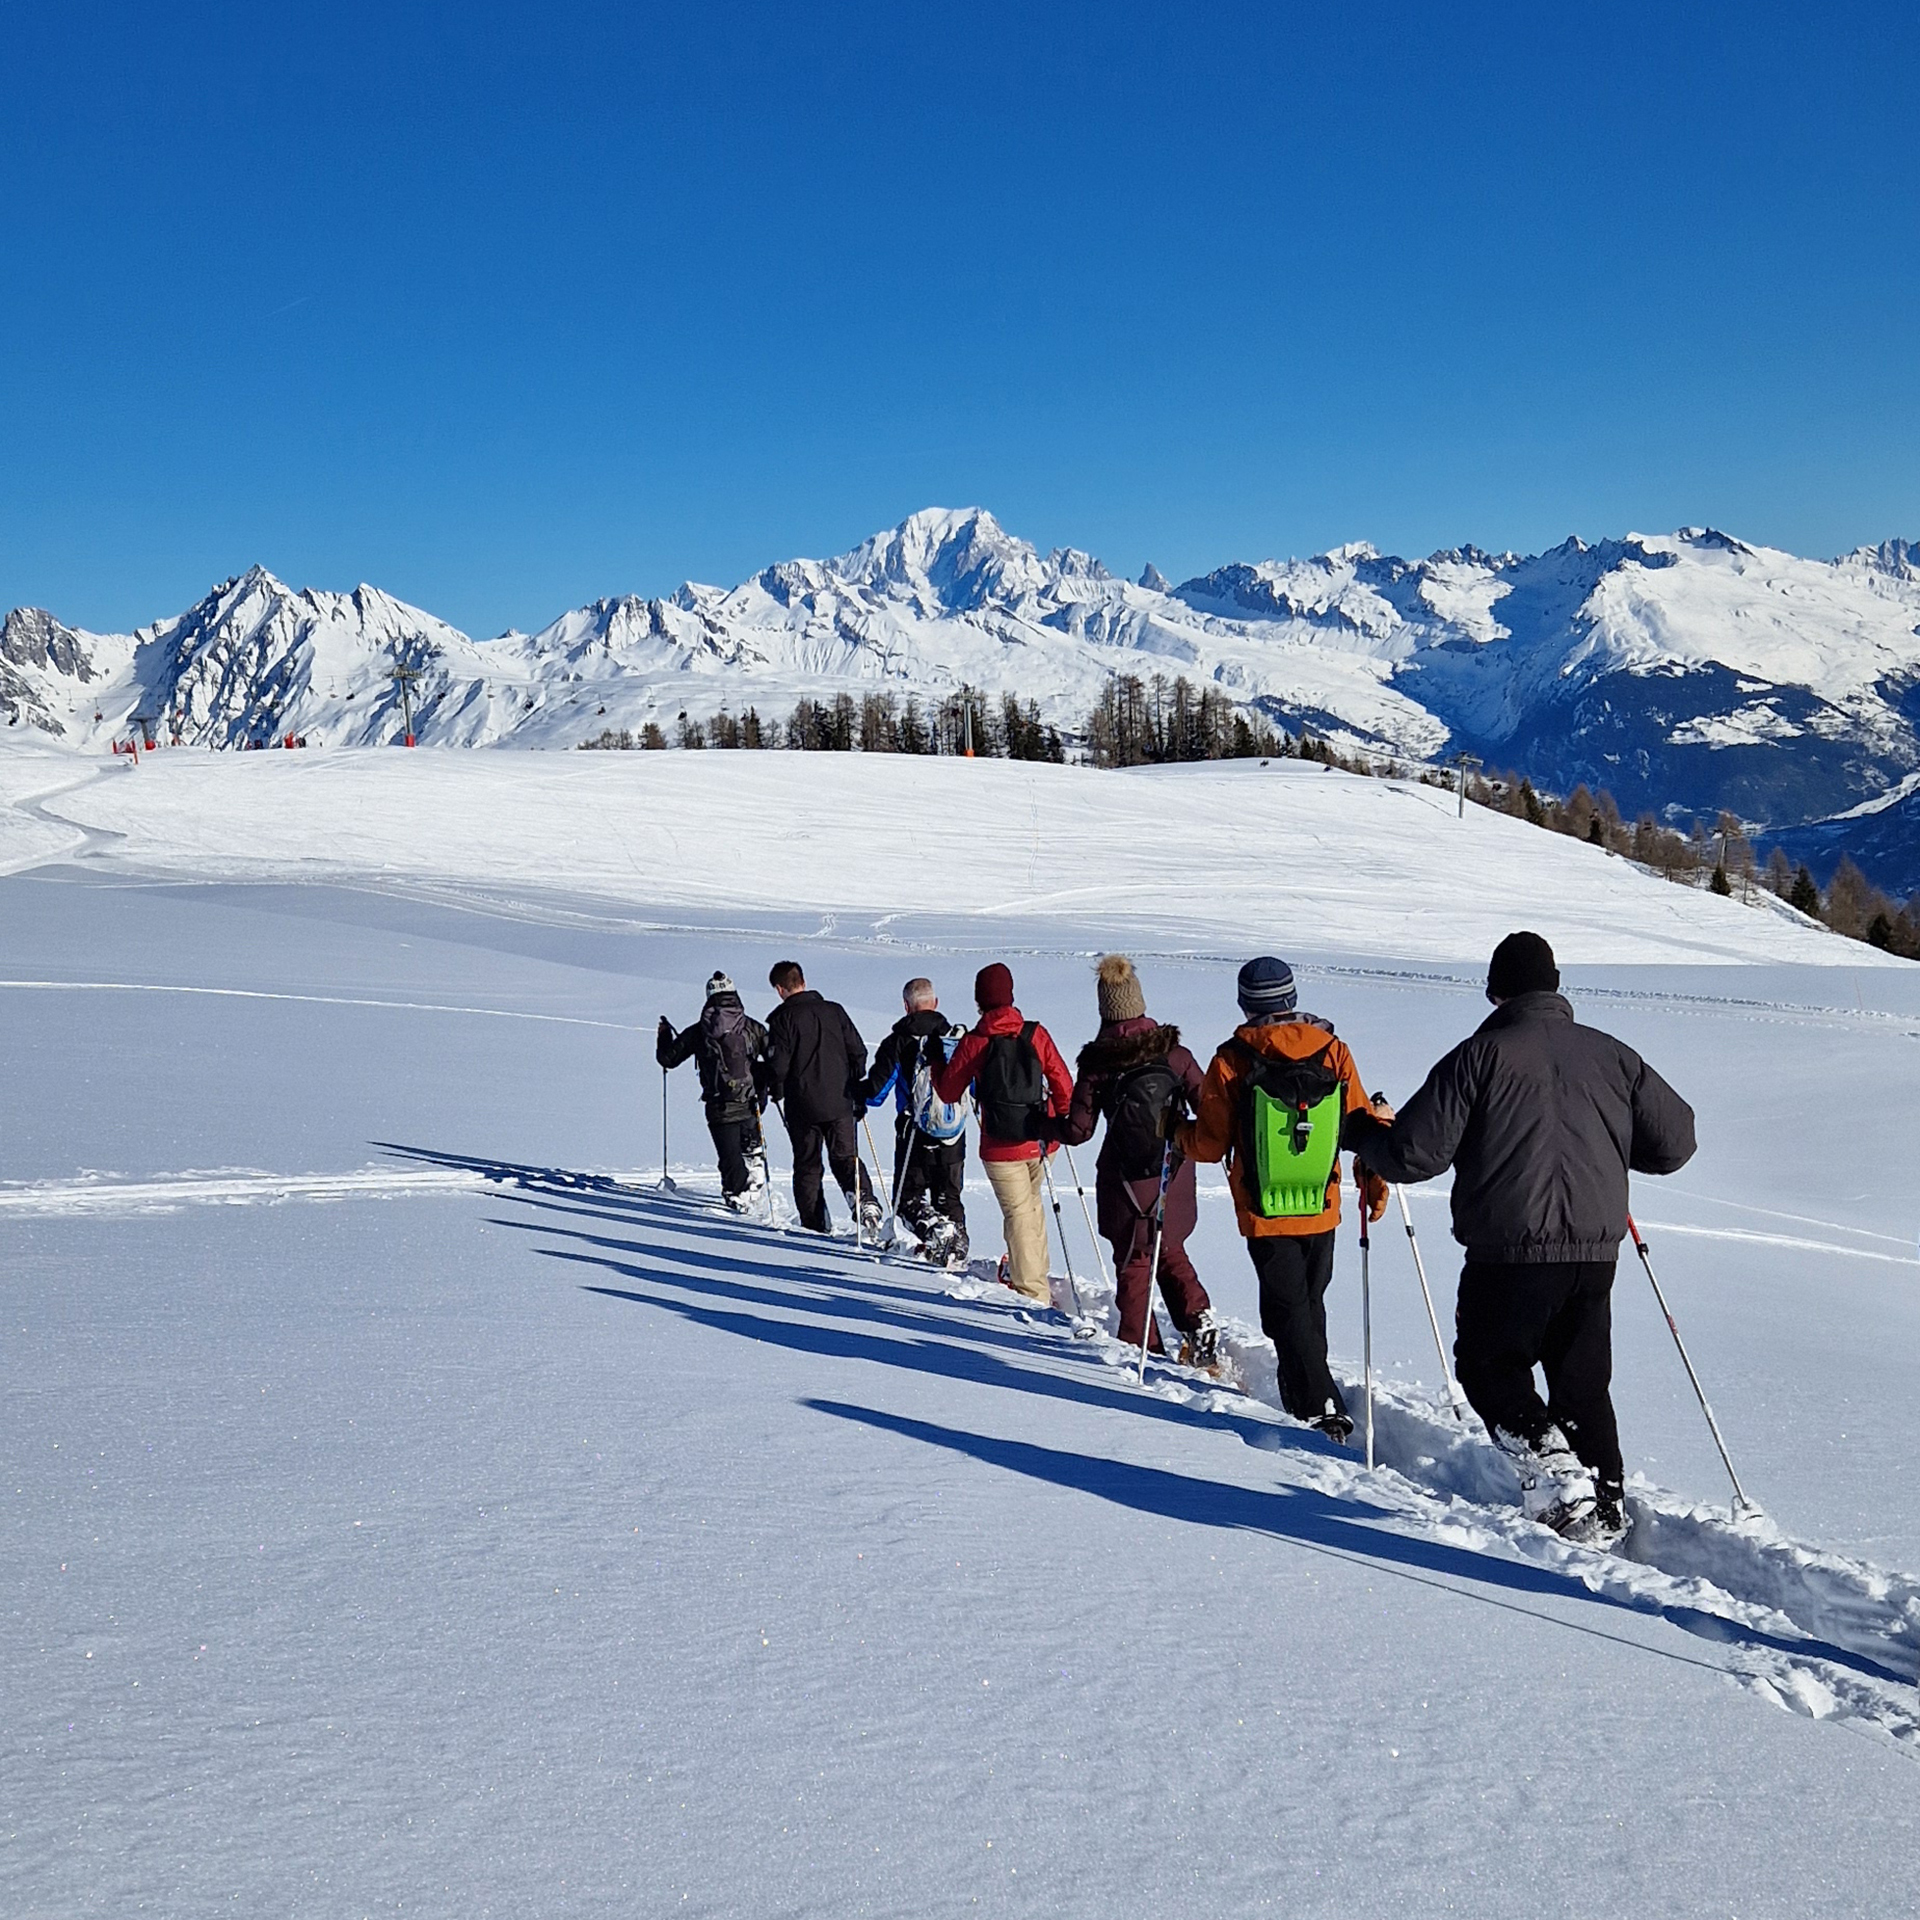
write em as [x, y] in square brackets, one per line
[1290, 1115]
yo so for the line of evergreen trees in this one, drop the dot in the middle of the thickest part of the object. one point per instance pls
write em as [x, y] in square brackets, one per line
[966, 721]
[1158, 721]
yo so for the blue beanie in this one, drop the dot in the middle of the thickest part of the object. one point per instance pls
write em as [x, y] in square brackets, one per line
[1266, 987]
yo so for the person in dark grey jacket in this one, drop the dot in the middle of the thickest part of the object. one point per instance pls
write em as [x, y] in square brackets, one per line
[729, 1050]
[816, 1061]
[1541, 1120]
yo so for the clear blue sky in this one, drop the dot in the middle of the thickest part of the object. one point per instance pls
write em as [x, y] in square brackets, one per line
[507, 307]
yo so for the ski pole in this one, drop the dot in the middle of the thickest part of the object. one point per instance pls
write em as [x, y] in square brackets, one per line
[1060, 1226]
[1086, 1213]
[886, 1192]
[1740, 1499]
[1366, 1319]
[1426, 1293]
[664, 1181]
[766, 1167]
[1153, 1265]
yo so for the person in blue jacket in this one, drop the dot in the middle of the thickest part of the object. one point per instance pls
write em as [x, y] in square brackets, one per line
[930, 1136]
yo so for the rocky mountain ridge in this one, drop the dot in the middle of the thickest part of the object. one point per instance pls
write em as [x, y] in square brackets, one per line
[1688, 672]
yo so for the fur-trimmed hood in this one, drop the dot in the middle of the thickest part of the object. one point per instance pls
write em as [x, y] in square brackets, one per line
[1125, 1045]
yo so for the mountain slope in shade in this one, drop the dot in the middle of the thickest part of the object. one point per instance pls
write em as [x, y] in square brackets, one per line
[1689, 671]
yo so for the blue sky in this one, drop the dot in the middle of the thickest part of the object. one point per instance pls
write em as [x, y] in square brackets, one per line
[505, 308]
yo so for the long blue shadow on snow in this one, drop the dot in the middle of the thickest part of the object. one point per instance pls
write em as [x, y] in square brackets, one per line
[1201, 1502]
[1307, 1518]
[959, 1357]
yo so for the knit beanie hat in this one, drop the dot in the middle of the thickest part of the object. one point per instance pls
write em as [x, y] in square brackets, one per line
[993, 987]
[1119, 989]
[720, 983]
[1266, 987]
[1521, 963]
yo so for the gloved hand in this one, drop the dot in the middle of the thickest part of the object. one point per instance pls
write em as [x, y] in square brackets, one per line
[1373, 1190]
[665, 1028]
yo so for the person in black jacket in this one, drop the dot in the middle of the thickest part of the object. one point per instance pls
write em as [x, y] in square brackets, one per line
[816, 1061]
[730, 1054]
[1541, 1120]
[930, 1136]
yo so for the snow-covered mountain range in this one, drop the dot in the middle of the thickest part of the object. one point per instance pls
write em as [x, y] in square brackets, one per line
[1688, 671]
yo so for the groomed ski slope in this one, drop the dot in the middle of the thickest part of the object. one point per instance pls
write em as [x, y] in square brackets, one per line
[415, 1507]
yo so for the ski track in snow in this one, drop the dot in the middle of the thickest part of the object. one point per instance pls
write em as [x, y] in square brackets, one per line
[310, 999]
[1812, 1632]
[95, 1195]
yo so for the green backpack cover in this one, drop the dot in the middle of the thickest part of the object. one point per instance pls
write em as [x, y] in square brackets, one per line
[1291, 1111]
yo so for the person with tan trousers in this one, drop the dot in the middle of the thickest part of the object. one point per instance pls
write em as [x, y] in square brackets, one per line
[1019, 1082]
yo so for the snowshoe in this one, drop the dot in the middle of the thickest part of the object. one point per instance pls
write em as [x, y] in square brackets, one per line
[1556, 1485]
[743, 1202]
[1338, 1427]
[871, 1217]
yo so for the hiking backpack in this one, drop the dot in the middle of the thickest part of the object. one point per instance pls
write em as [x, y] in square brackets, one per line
[1136, 1143]
[732, 1053]
[1011, 1086]
[1290, 1118]
[942, 1120]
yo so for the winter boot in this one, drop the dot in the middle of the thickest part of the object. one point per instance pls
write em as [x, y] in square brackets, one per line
[1606, 1526]
[1201, 1346]
[1556, 1486]
[1337, 1426]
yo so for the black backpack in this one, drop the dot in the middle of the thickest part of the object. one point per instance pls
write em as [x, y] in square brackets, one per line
[1140, 1099]
[1011, 1086]
[732, 1056]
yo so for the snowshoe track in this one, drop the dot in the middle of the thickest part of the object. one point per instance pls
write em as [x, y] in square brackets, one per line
[1813, 1632]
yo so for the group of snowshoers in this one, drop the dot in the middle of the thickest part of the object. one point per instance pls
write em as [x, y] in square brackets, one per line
[1539, 1118]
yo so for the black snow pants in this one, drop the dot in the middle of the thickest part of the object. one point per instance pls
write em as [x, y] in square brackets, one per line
[1295, 1270]
[737, 1142]
[1556, 1316]
[842, 1142]
[928, 1175]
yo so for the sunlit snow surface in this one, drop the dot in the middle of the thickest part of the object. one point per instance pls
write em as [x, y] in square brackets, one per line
[415, 1507]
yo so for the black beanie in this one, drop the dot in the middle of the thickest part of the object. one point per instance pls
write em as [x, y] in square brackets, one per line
[1521, 963]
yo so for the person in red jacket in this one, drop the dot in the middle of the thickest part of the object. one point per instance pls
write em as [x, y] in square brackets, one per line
[1019, 1082]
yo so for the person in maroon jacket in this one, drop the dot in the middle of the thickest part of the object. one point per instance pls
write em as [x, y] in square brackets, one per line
[1020, 1083]
[1128, 1075]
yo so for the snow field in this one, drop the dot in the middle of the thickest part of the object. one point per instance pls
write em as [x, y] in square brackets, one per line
[1224, 856]
[503, 1535]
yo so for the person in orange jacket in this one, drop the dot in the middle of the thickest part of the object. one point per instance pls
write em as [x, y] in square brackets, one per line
[1292, 1248]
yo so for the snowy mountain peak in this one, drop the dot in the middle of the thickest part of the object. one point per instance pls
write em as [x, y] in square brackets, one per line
[947, 560]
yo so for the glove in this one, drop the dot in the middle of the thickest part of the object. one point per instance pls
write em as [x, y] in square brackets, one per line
[1373, 1190]
[665, 1028]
